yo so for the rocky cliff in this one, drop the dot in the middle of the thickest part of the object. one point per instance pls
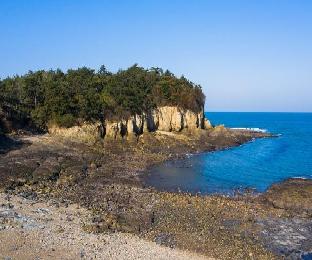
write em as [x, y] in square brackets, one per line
[166, 118]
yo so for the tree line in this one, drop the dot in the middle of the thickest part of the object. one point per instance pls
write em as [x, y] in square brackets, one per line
[84, 94]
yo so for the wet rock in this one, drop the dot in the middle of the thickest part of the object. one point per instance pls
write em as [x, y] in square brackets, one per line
[292, 194]
[290, 238]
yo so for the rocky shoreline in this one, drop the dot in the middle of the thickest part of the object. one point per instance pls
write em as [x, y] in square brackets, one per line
[36, 229]
[104, 178]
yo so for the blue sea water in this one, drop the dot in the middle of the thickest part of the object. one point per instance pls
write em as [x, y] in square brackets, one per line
[254, 165]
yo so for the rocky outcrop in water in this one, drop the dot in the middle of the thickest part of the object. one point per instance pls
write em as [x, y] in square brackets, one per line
[166, 118]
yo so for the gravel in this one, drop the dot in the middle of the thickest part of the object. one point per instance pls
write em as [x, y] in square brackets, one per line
[37, 230]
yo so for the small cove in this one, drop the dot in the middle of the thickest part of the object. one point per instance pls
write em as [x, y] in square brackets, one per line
[255, 165]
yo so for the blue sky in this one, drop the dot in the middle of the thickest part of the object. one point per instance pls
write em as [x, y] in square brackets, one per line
[252, 55]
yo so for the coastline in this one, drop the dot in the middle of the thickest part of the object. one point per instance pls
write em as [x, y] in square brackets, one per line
[180, 157]
[107, 183]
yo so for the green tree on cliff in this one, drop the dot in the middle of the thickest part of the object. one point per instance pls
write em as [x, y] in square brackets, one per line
[83, 94]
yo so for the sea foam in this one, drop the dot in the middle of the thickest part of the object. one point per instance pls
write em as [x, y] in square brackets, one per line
[256, 129]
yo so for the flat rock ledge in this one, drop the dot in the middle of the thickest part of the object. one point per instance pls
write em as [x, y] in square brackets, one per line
[290, 235]
[292, 194]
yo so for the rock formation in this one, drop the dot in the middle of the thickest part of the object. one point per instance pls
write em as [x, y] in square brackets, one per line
[85, 132]
[166, 118]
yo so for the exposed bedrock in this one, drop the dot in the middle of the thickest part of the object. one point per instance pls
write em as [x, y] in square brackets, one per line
[292, 194]
[166, 118]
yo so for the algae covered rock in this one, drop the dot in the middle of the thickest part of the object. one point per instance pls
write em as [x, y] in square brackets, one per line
[292, 194]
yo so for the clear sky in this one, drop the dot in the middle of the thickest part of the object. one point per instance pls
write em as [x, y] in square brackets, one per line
[252, 55]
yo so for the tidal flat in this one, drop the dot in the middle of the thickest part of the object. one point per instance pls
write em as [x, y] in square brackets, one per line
[104, 178]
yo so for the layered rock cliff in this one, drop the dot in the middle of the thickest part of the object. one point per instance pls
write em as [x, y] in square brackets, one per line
[166, 118]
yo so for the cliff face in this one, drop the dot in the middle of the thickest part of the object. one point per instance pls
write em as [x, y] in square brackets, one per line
[167, 118]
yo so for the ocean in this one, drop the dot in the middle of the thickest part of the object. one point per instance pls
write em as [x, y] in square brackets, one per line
[255, 165]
